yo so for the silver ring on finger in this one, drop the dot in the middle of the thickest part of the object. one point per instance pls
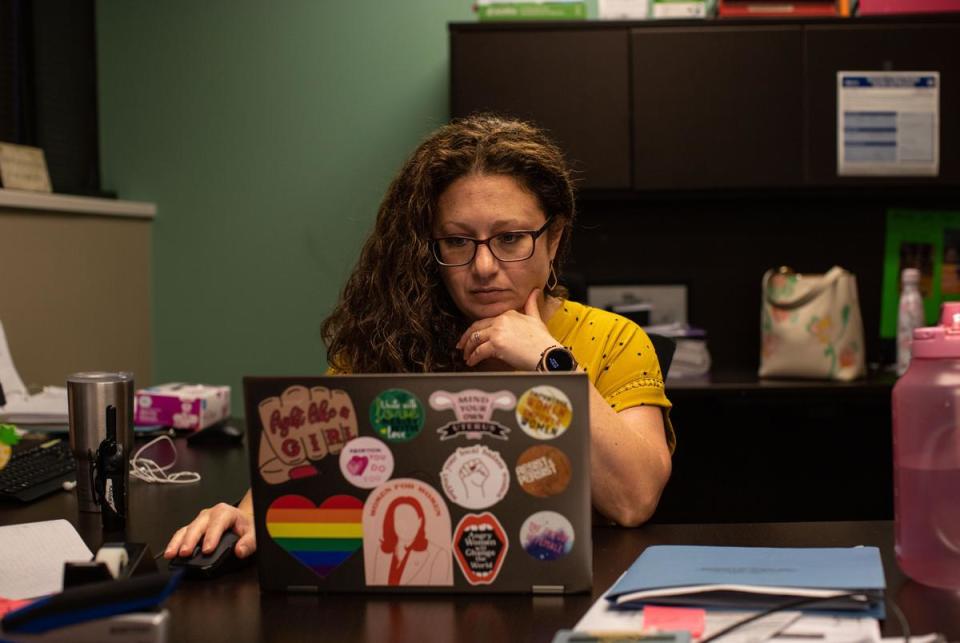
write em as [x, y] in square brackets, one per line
[476, 336]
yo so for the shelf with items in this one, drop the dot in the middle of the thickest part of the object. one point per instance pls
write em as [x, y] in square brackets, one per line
[653, 106]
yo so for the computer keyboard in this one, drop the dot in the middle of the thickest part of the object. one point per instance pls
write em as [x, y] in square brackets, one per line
[36, 471]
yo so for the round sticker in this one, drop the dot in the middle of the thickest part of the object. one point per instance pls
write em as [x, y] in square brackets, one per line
[366, 462]
[543, 471]
[475, 477]
[544, 412]
[396, 415]
[546, 535]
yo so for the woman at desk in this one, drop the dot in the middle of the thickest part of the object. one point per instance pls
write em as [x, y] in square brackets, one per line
[461, 273]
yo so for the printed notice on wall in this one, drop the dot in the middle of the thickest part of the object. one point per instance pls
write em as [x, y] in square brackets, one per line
[888, 123]
[23, 168]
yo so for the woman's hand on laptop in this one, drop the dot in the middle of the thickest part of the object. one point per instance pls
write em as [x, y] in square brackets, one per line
[209, 525]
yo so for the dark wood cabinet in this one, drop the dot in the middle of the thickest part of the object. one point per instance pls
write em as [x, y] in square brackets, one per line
[717, 107]
[780, 450]
[893, 47]
[722, 143]
[701, 105]
[575, 83]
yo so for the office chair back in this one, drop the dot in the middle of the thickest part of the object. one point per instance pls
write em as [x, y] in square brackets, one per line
[664, 347]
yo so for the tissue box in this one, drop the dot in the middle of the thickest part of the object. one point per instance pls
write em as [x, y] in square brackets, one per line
[182, 406]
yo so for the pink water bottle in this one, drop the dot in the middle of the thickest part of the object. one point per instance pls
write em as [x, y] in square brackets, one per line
[926, 455]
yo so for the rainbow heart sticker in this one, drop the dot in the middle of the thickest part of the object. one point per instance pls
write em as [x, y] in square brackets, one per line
[320, 538]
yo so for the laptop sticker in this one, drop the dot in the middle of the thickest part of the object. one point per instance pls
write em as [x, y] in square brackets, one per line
[302, 426]
[406, 529]
[396, 415]
[546, 535]
[366, 462]
[480, 546]
[543, 471]
[473, 409]
[544, 412]
[320, 538]
[475, 477]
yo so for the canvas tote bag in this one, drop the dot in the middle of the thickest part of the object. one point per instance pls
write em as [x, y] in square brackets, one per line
[811, 326]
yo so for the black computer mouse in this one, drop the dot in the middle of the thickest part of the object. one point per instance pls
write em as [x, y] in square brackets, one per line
[220, 561]
[222, 433]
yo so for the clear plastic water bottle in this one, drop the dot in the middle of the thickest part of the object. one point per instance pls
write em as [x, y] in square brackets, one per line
[909, 316]
[926, 455]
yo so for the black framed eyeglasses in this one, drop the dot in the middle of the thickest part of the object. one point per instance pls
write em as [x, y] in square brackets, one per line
[515, 245]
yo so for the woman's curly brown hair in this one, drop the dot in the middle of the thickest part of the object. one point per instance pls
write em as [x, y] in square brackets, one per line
[395, 314]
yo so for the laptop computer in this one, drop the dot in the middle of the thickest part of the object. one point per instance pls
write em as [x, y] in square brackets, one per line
[475, 482]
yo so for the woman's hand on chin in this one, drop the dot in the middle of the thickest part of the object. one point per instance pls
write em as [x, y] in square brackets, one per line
[514, 338]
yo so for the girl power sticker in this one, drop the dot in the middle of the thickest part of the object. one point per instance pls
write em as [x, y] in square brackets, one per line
[302, 426]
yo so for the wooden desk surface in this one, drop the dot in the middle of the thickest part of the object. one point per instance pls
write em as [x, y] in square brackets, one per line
[232, 608]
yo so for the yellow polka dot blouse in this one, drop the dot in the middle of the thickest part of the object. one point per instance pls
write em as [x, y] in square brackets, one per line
[617, 356]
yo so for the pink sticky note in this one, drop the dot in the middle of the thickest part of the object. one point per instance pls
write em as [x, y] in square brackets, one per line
[674, 619]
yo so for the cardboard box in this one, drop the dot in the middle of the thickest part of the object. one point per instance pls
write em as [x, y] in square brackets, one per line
[182, 406]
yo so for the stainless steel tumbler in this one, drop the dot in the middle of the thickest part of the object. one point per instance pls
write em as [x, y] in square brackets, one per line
[89, 395]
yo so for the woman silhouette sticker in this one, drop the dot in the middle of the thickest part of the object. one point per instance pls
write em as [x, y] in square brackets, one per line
[406, 530]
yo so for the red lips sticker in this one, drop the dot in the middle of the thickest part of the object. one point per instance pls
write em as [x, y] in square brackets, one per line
[480, 546]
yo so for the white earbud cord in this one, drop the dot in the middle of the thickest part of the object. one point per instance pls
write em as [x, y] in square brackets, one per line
[149, 471]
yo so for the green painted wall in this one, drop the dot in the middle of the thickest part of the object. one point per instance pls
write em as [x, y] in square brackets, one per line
[266, 133]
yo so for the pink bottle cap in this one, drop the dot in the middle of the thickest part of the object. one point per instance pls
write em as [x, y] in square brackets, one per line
[941, 341]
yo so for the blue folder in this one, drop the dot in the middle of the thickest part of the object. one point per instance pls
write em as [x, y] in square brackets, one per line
[676, 575]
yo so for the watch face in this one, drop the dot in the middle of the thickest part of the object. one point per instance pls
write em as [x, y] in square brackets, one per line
[559, 359]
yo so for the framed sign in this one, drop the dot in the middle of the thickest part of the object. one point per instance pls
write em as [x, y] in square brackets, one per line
[888, 123]
[23, 168]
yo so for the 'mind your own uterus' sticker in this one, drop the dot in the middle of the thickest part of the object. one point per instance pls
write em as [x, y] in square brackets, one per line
[473, 410]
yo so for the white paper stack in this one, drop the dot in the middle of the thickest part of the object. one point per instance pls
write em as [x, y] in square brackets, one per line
[32, 555]
[47, 407]
[691, 357]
